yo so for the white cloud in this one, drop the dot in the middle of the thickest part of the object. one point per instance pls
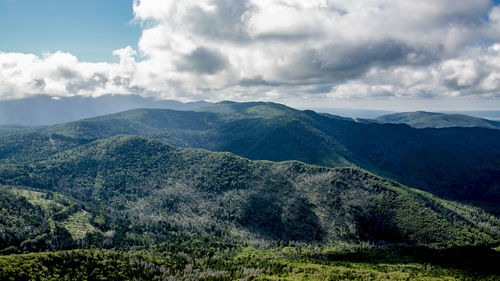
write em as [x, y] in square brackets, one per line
[476, 72]
[274, 49]
[62, 74]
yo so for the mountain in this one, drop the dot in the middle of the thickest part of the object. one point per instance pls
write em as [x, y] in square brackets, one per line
[485, 114]
[46, 110]
[33, 146]
[6, 130]
[133, 208]
[422, 119]
[352, 112]
[456, 163]
[126, 190]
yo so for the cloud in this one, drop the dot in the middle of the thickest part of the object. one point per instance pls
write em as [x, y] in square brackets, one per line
[275, 49]
[203, 61]
[62, 74]
[98, 80]
[475, 72]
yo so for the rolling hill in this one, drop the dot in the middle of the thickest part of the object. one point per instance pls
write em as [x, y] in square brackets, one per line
[127, 191]
[422, 119]
[133, 208]
[456, 163]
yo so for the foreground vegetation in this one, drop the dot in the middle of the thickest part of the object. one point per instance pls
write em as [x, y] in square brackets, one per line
[200, 258]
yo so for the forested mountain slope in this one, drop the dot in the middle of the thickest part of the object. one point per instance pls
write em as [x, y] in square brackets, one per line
[457, 163]
[422, 119]
[34, 146]
[6, 130]
[127, 191]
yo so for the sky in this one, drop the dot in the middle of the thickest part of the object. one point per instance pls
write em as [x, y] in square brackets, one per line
[90, 29]
[372, 54]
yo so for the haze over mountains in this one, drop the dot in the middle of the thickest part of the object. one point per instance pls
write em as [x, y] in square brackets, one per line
[47, 110]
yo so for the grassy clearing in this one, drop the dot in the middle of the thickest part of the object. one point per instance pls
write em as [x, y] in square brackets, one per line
[42, 199]
[79, 225]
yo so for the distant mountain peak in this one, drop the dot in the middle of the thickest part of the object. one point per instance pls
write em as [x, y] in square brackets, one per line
[249, 109]
[424, 119]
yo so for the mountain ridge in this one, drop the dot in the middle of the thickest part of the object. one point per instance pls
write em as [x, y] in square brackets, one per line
[423, 119]
[129, 207]
[138, 179]
[458, 163]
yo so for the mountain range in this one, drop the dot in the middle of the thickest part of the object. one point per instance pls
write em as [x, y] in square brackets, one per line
[454, 163]
[118, 187]
[422, 119]
[247, 190]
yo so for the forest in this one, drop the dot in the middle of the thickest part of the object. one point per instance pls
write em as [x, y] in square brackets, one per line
[132, 208]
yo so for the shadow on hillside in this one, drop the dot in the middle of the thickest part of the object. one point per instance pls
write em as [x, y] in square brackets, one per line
[483, 259]
[292, 221]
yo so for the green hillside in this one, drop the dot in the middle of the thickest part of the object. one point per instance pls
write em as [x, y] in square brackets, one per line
[189, 257]
[34, 146]
[183, 128]
[456, 163]
[237, 110]
[190, 214]
[422, 119]
[143, 184]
